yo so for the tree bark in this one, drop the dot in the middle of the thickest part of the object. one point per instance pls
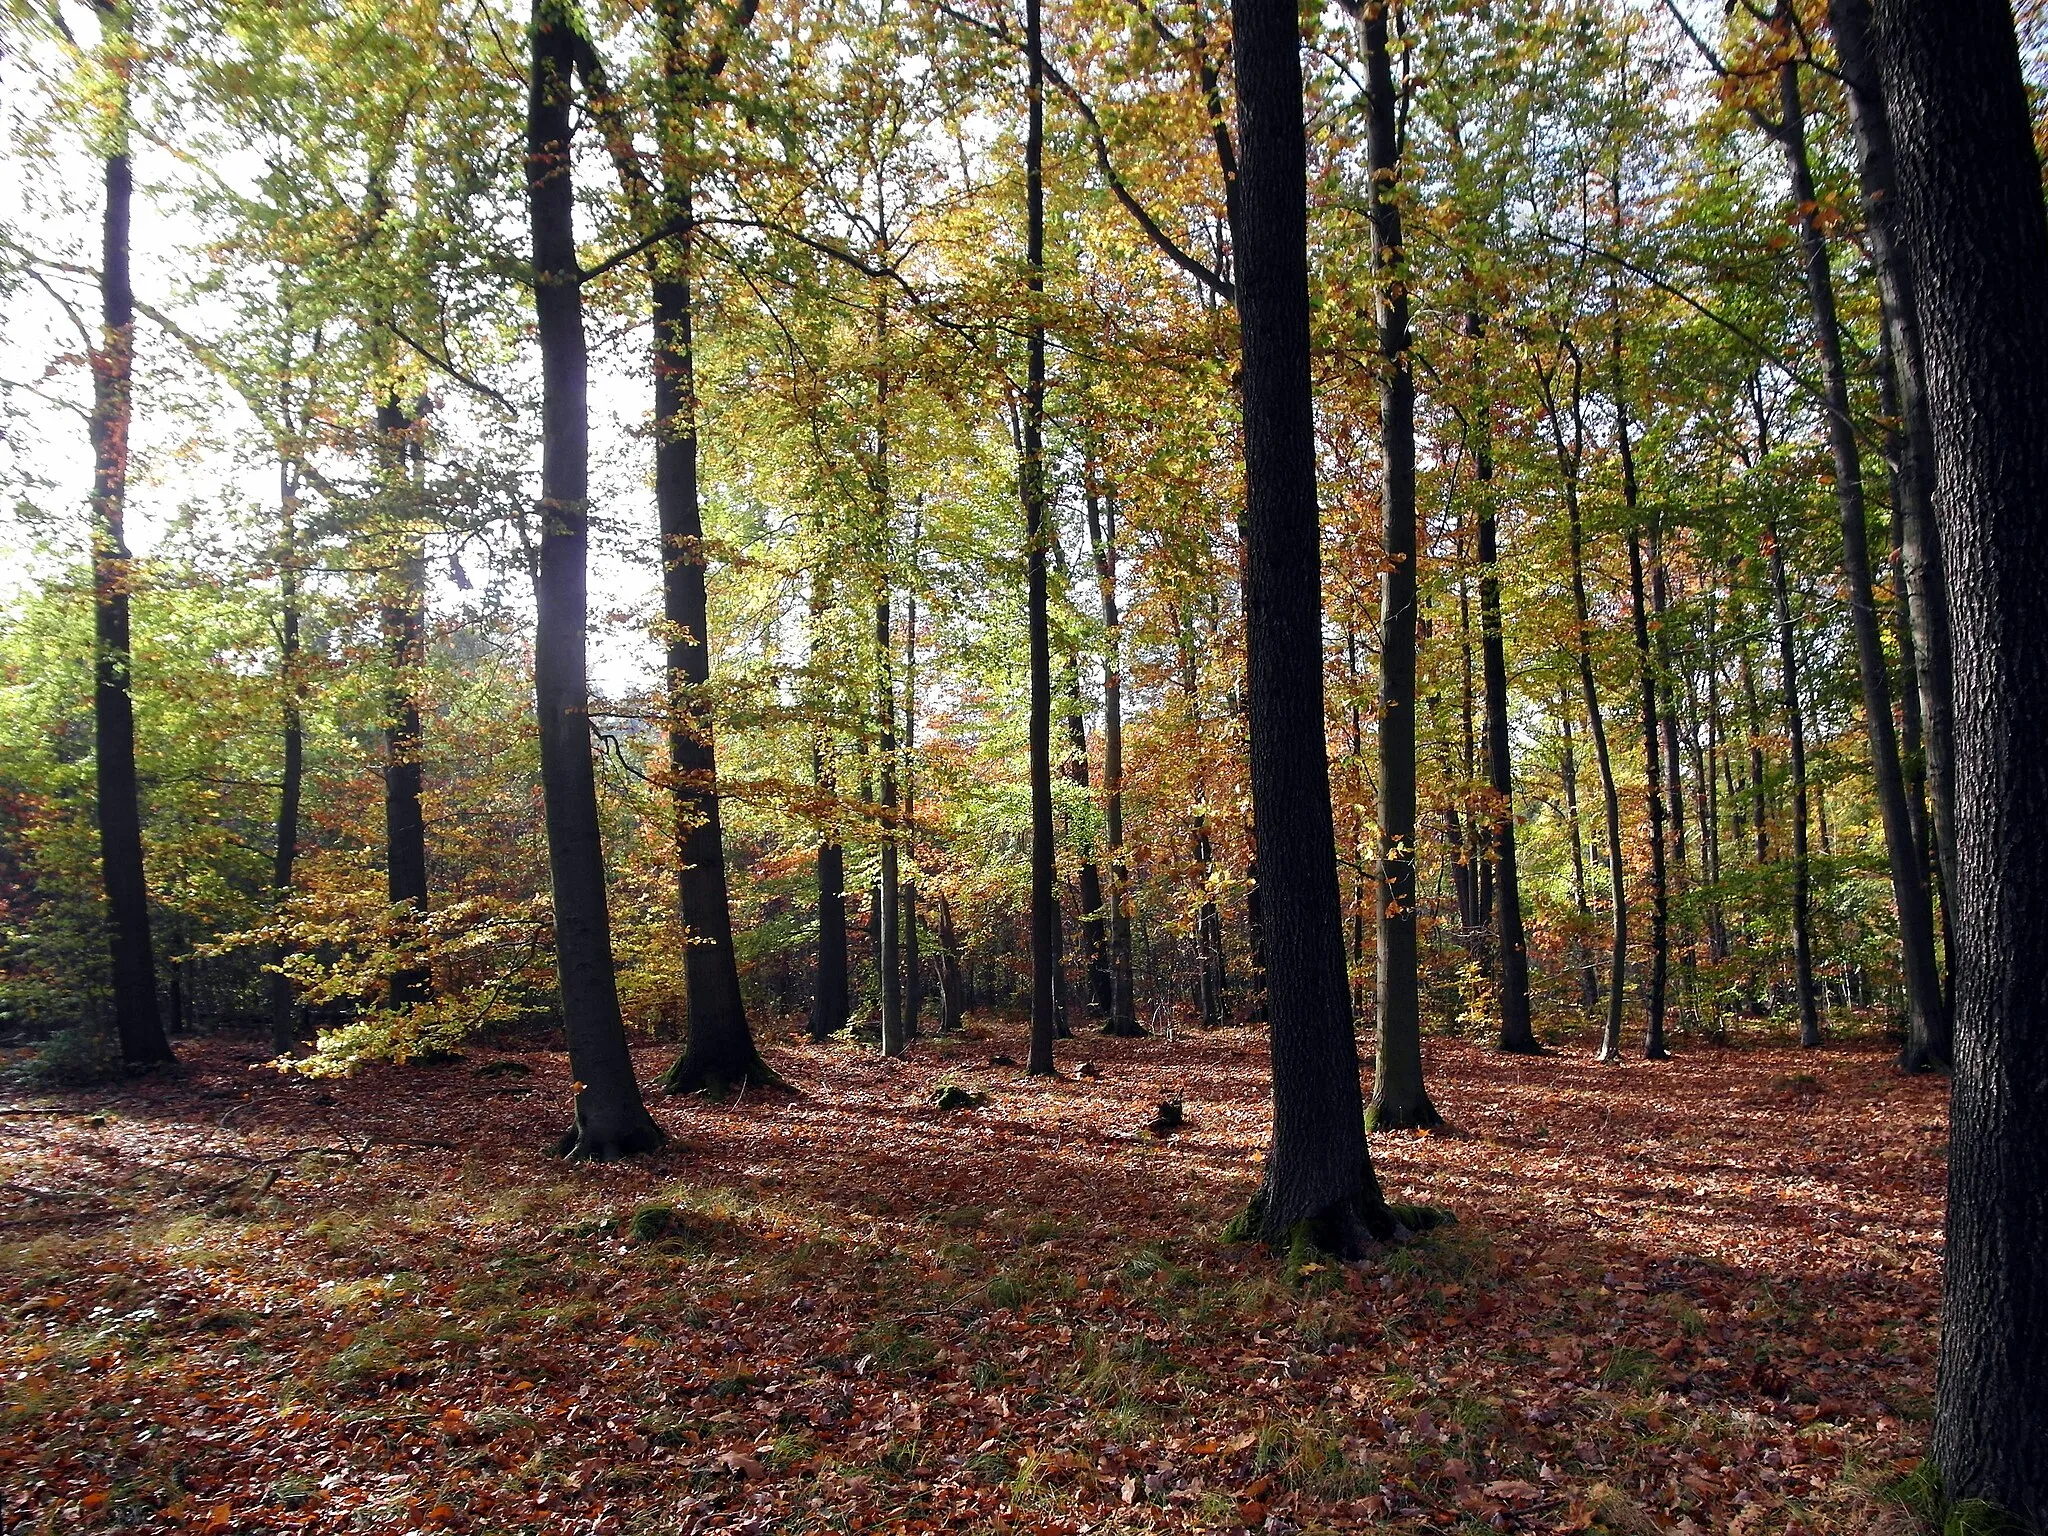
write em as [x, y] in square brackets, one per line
[1971, 212]
[952, 980]
[402, 619]
[1910, 896]
[284, 1027]
[1319, 1180]
[1123, 1010]
[1094, 927]
[1802, 876]
[1511, 945]
[1583, 963]
[1399, 1099]
[1045, 913]
[1646, 673]
[138, 1021]
[1570, 461]
[610, 1118]
[913, 974]
[1922, 578]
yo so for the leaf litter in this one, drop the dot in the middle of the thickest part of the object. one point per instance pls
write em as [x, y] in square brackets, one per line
[1698, 1296]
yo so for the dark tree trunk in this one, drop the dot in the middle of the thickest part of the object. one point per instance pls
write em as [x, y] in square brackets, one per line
[1211, 978]
[1646, 673]
[1971, 212]
[1653, 793]
[137, 1019]
[1123, 1008]
[402, 619]
[1757, 801]
[888, 909]
[1920, 573]
[1802, 877]
[284, 1028]
[1570, 461]
[1910, 896]
[952, 977]
[610, 1118]
[720, 1049]
[1045, 912]
[1319, 1179]
[913, 973]
[1589, 972]
[1517, 1032]
[1094, 928]
[828, 998]
[1399, 1099]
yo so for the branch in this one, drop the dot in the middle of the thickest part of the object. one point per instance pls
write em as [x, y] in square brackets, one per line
[451, 370]
[1221, 286]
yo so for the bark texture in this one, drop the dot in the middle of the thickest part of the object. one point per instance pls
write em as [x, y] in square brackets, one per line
[1318, 1170]
[1971, 211]
[611, 1120]
[137, 1020]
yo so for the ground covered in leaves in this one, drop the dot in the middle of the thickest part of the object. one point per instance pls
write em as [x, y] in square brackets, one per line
[1691, 1296]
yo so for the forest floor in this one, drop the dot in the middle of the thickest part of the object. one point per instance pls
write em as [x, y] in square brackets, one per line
[1698, 1296]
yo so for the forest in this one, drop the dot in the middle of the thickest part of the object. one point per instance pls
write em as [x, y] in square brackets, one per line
[1099, 766]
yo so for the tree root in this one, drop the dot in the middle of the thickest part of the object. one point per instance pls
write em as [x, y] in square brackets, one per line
[579, 1144]
[1345, 1231]
[692, 1073]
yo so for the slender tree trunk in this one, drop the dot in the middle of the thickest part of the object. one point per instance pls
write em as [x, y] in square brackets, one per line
[610, 1118]
[1910, 897]
[888, 918]
[402, 618]
[720, 1049]
[952, 980]
[1399, 1099]
[1802, 879]
[1319, 1181]
[1211, 979]
[284, 1028]
[913, 964]
[1094, 928]
[1511, 945]
[1971, 213]
[1570, 461]
[138, 1021]
[1653, 795]
[1045, 912]
[828, 999]
[1589, 972]
[1923, 584]
[1123, 1010]
[1646, 671]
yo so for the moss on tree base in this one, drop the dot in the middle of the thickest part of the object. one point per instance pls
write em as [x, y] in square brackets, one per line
[1344, 1232]
[692, 1073]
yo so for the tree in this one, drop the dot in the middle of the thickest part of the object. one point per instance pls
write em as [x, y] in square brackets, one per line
[1971, 211]
[610, 1118]
[1045, 912]
[1319, 1180]
[137, 1020]
[1399, 1099]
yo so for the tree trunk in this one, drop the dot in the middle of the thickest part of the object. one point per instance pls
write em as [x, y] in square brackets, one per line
[1517, 1032]
[1045, 912]
[402, 621]
[1094, 928]
[1910, 897]
[1646, 673]
[284, 1028]
[1802, 878]
[610, 1118]
[828, 998]
[913, 974]
[137, 1019]
[952, 980]
[1971, 213]
[1922, 577]
[1589, 972]
[1399, 1099]
[888, 917]
[1570, 460]
[1319, 1180]
[1123, 1009]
